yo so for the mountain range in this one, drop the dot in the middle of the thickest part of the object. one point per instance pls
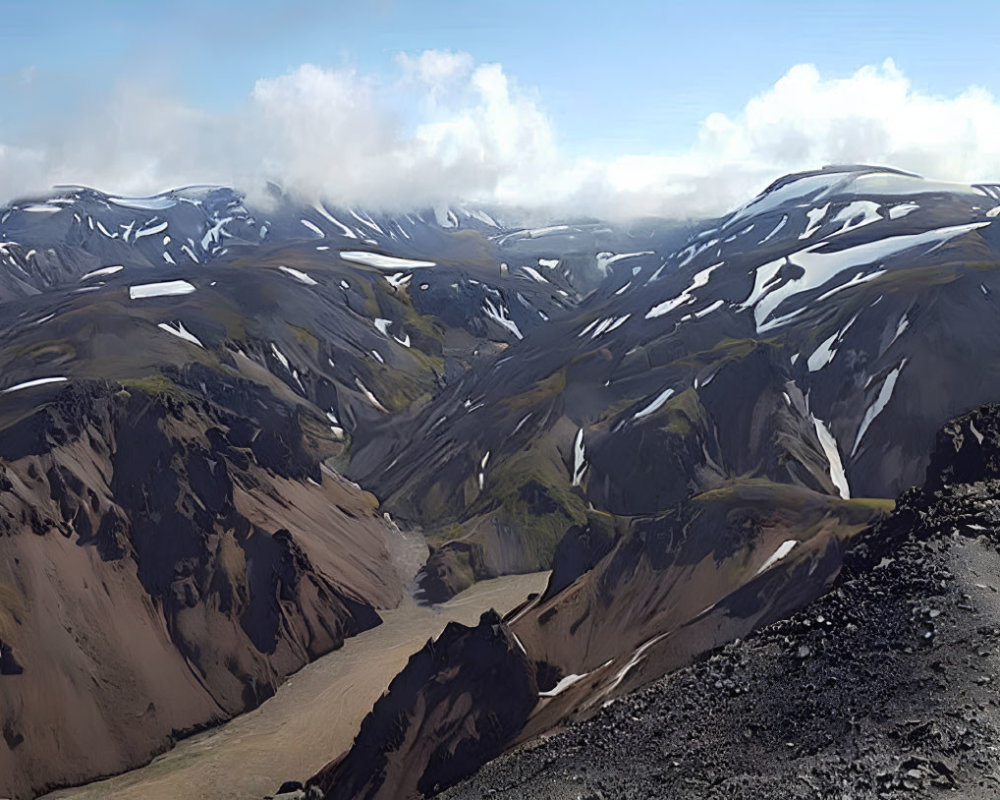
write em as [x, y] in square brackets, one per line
[216, 418]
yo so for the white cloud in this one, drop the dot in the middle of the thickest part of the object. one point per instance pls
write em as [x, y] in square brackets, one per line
[446, 128]
[435, 66]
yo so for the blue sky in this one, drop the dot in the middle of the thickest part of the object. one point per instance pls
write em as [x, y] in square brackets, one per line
[629, 78]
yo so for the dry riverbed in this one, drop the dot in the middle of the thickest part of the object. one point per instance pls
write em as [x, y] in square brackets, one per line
[312, 718]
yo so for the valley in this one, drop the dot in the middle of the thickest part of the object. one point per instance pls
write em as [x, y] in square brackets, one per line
[314, 713]
[216, 418]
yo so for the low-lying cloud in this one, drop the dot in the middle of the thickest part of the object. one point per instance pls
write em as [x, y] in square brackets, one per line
[444, 128]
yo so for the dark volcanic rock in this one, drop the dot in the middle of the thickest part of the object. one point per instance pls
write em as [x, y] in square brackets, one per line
[457, 703]
[8, 663]
[966, 450]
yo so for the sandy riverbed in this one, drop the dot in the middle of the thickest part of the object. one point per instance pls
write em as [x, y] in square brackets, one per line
[312, 718]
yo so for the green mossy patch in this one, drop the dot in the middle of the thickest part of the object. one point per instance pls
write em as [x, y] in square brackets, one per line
[306, 338]
[47, 350]
[156, 385]
[546, 390]
[539, 506]
[683, 413]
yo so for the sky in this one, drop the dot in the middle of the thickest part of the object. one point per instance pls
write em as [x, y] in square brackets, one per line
[680, 109]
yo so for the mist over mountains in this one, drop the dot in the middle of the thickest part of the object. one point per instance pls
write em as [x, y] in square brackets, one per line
[440, 127]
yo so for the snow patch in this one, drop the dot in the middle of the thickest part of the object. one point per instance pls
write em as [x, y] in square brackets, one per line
[105, 231]
[520, 424]
[215, 234]
[823, 354]
[382, 261]
[563, 685]
[499, 313]
[35, 382]
[829, 445]
[162, 289]
[901, 327]
[783, 550]
[180, 332]
[371, 398]
[778, 227]
[902, 209]
[347, 231]
[876, 408]
[299, 275]
[613, 326]
[700, 279]
[821, 265]
[102, 271]
[815, 216]
[857, 214]
[579, 460]
[280, 356]
[397, 280]
[150, 231]
[857, 280]
[534, 273]
[314, 228]
[656, 405]
[144, 203]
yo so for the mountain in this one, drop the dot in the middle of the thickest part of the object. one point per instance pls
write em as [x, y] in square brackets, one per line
[184, 378]
[884, 687]
[690, 445]
[213, 416]
[767, 347]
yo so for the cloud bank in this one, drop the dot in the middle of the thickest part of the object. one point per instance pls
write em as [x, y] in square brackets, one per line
[444, 128]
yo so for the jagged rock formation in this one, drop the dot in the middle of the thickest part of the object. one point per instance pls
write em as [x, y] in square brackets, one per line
[458, 701]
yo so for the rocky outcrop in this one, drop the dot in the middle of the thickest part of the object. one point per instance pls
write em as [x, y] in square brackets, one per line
[458, 702]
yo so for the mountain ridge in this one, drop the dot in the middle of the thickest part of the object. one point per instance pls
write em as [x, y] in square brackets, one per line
[689, 426]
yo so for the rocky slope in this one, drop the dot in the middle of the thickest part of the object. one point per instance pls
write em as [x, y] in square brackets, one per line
[794, 341]
[167, 564]
[437, 715]
[652, 599]
[684, 424]
[883, 688]
[676, 450]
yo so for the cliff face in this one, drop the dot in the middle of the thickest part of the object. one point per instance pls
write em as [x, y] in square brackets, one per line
[166, 564]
